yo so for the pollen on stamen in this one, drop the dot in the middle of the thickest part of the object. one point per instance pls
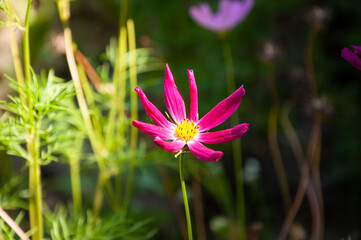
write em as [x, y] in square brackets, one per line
[186, 130]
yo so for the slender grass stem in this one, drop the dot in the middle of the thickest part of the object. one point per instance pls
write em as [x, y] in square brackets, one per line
[26, 44]
[314, 147]
[32, 144]
[89, 96]
[78, 88]
[35, 189]
[74, 164]
[116, 119]
[99, 152]
[236, 144]
[121, 93]
[305, 186]
[273, 141]
[185, 198]
[15, 52]
[75, 184]
[38, 191]
[313, 155]
[17, 62]
[133, 110]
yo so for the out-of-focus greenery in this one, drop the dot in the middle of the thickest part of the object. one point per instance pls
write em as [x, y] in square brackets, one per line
[63, 226]
[166, 28]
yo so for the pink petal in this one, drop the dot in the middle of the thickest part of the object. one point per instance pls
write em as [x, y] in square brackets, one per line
[154, 130]
[232, 12]
[202, 14]
[224, 135]
[193, 113]
[204, 153]
[229, 14]
[172, 97]
[152, 111]
[351, 57]
[222, 111]
[174, 146]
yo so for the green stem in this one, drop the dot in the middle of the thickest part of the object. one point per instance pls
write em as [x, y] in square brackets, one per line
[35, 201]
[74, 158]
[96, 143]
[116, 119]
[236, 144]
[185, 198]
[133, 110]
[98, 199]
[17, 62]
[75, 185]
[26, 44]
[121, 85]
[88, 93]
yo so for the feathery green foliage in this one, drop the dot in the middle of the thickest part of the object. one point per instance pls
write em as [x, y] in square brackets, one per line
[64, 226]
[46, 96]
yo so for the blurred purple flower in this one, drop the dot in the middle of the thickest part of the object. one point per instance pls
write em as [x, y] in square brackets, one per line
[230, 13]
[352, 56]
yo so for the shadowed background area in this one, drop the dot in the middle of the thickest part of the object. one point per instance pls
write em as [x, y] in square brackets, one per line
[277, 46]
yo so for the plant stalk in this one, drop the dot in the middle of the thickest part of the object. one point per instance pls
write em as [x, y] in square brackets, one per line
[314, 147]
[185, 198]
[97, 146]
[305, 183]
[74, 164]
[273, 141]
[133, 110]
[32, 144]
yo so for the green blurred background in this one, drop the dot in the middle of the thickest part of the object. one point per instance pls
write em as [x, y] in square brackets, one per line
[166, 27]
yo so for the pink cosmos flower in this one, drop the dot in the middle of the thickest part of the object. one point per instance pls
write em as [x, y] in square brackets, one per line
[352, 57]
[181, 133]
[230, 13]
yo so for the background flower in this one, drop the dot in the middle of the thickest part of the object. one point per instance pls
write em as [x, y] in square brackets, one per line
[352, 56]
[230, 13]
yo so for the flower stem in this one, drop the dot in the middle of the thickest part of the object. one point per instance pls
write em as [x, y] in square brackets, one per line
[236, 144]
[133, 110]
[16, 60]
[185, 198]
[32, 144]
[74, 158]
[35, 201]
[98, 148]
[26, 44]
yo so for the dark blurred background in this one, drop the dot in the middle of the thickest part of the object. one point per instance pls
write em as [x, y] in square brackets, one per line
[166, 27]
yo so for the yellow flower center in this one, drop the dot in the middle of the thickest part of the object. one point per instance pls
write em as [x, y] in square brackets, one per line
[186, 130]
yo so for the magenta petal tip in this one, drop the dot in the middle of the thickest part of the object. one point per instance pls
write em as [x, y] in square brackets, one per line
[220, 154]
